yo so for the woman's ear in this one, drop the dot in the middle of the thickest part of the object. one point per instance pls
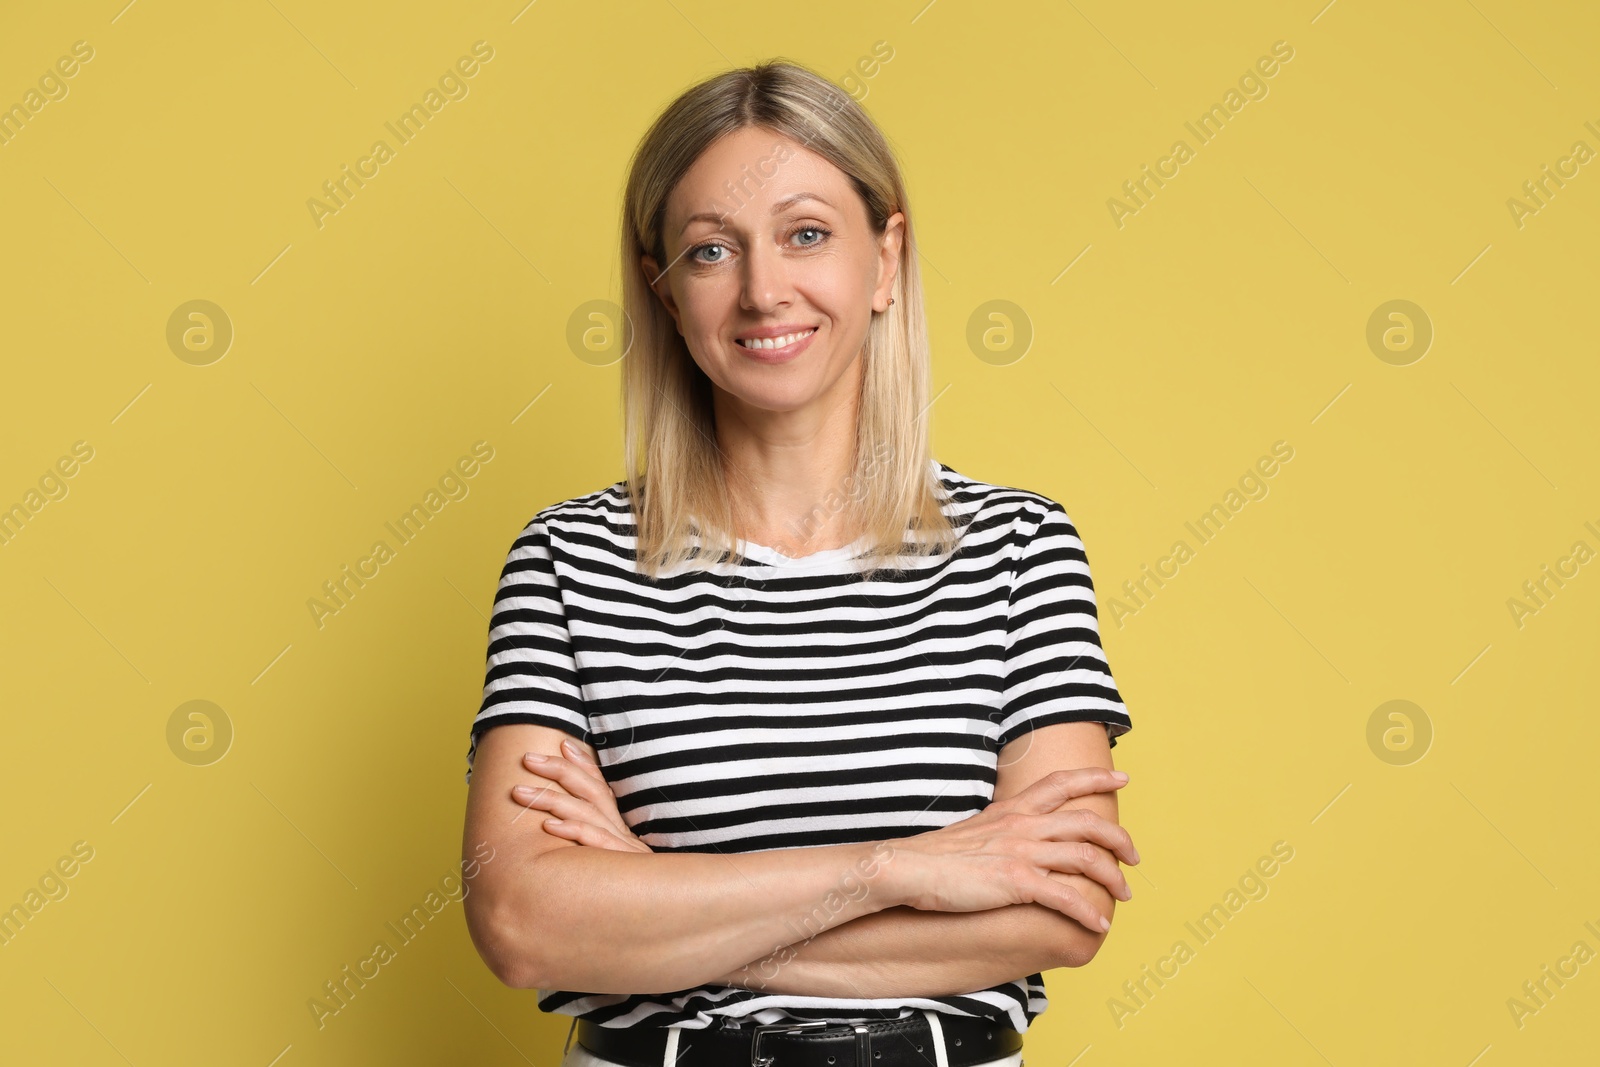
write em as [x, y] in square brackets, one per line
[889, 258]
[656, 278]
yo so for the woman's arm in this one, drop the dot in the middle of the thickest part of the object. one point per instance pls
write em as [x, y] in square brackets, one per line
[901, 951]
[547, 913]
[980, 864]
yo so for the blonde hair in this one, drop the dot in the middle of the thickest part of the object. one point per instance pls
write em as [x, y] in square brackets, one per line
[675, 472]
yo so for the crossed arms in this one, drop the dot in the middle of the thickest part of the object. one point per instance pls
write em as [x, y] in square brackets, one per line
[871, 948]
[901, 951]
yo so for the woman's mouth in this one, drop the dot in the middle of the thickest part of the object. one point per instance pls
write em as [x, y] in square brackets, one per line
[777, 349]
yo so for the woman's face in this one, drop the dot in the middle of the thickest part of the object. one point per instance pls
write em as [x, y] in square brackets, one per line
[764, 238]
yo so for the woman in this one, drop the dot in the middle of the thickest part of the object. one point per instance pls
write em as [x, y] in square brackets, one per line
[822, 725]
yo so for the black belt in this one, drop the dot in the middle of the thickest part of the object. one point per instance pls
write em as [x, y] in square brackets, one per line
[906, 1042]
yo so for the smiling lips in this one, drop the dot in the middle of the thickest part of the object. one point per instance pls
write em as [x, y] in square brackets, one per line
[768, 343]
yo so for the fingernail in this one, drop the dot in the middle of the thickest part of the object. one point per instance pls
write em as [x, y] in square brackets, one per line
[534, 757]
[1121, 776]
[1105, 923]
[523, 791]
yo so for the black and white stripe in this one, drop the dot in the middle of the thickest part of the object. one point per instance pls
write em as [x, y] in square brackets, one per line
[786, 703]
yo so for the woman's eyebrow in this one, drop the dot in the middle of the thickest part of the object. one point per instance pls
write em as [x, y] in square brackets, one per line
[778, 207]
[794, 198]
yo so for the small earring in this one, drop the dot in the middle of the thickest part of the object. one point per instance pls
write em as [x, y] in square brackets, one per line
[891, 301]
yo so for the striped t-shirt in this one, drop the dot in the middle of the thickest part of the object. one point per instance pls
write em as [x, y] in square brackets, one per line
[787, 702]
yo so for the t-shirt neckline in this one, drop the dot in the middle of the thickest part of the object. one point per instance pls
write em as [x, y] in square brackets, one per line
[771, 557]
[774, 558]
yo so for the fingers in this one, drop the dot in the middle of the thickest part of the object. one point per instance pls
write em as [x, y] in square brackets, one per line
[574, 781]
[1091, 861]
[1059, 786]
[572, 776]
[1069, 902]
[1082, 824]
[579, 753]
[589, 834]
[557, 803]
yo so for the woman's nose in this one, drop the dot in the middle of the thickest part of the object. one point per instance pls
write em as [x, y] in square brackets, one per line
[766, 279]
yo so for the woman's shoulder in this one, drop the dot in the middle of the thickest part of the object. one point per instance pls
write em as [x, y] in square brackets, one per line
[610, 502]
[995, 502]
[605, 512]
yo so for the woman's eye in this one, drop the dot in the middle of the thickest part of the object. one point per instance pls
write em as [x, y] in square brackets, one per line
[711, 254]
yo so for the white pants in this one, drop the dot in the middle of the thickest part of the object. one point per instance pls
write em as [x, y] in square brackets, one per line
[578, 1056]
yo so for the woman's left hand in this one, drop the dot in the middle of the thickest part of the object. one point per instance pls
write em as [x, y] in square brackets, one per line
[587, 812]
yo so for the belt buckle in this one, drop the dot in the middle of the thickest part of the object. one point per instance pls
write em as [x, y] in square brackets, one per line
[756, 1058]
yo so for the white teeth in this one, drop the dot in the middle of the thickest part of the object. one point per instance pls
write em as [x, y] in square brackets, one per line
[778, 342]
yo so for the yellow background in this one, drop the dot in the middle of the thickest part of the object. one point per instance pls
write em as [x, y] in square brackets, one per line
[369, 354]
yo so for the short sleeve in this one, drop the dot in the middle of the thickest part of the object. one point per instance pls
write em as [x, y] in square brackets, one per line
[1055, 667]
[531, 675]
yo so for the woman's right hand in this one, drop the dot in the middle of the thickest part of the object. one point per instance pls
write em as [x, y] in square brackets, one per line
[1005, 853]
